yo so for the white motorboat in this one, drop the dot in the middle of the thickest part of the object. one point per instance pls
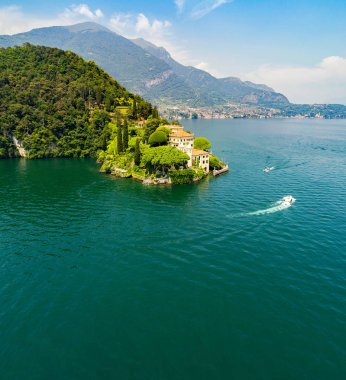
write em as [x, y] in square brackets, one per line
[268, 169]
[288, 199]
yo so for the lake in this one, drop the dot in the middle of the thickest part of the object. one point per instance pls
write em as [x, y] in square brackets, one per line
[104, 278]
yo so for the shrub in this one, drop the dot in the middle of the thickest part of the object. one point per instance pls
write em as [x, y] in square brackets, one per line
[180, 177]
[199, 174]
[158, 138]
[202, 143]
[164, 129]
[163, 158]
[214, 163]
[101, 156]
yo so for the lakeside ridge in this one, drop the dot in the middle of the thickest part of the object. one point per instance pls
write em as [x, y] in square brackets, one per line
[178, 91]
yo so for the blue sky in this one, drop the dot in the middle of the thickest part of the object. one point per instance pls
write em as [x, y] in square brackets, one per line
[297, 47]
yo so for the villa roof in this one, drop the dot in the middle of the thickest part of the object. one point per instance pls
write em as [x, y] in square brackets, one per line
[199, 152]
[181, 134]
[172, 126]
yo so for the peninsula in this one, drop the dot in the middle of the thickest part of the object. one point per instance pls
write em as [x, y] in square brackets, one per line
[156, 153]
[55, 104]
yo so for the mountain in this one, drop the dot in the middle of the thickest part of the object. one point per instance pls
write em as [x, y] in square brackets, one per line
[136, 69]
[215, 91]
[55, 104]
[146, 69]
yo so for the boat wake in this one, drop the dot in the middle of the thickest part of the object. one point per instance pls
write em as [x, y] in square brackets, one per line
[274, 164]
[277, 206]
[280, 205]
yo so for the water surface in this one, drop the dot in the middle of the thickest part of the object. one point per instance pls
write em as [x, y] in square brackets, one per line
[107, 279]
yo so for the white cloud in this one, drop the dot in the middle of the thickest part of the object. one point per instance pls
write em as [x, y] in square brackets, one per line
[122, 23]
[322, 83]
[14, 20]
[207, 6]
[81, 11]
[180, 4]
[132, 26]
[159, 32]
[154, 28]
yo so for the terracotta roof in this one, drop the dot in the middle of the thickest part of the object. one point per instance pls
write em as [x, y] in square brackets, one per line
[199, 152]
[181, 134]
[172, 126]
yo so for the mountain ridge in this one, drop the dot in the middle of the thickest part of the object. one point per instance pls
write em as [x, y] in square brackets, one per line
[229, 88]
[150, 72]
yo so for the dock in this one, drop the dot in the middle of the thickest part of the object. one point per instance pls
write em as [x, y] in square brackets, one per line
[220, 171]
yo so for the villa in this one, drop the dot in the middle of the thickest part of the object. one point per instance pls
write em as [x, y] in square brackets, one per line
[201, 158]
[184, 141]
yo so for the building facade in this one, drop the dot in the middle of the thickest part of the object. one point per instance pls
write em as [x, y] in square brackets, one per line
[201, 158]
[184, 141]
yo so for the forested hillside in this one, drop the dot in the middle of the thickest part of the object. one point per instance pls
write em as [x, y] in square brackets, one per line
[55, 104]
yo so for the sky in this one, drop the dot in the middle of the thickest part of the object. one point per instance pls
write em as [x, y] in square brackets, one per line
[297, 47]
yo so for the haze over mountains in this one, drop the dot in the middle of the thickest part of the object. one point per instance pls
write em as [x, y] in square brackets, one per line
[146, 69]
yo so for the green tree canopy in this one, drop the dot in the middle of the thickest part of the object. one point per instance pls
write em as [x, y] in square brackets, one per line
[163, 157]
[125, 135]
[158, 138]
[214, 163]
[150, 127]
[155, 113]
[120, 146]
[175, 122]
[56, 103]
[164, 129]
[137, 158]
[202, 143]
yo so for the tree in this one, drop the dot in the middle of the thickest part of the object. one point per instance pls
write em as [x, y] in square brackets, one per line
[150, 127]
[144, 109]
[134, 109]
[202, 143]
[214, 163]
[57, 104]
[137, 153]
[163, 158]
[108, 103]
[125, 135]
[164, 129]
[119, 137]
[155, 113]
[158, 138]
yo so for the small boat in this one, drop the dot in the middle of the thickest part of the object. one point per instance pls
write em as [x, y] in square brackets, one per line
[288, 199]
[268, 169]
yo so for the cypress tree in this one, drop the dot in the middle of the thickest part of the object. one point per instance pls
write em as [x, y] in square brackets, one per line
[119, 137]
[134, 110]
[125, 135]
[137, 153]
[155, 113]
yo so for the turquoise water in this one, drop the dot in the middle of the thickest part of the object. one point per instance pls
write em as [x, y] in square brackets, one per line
[107, 279]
